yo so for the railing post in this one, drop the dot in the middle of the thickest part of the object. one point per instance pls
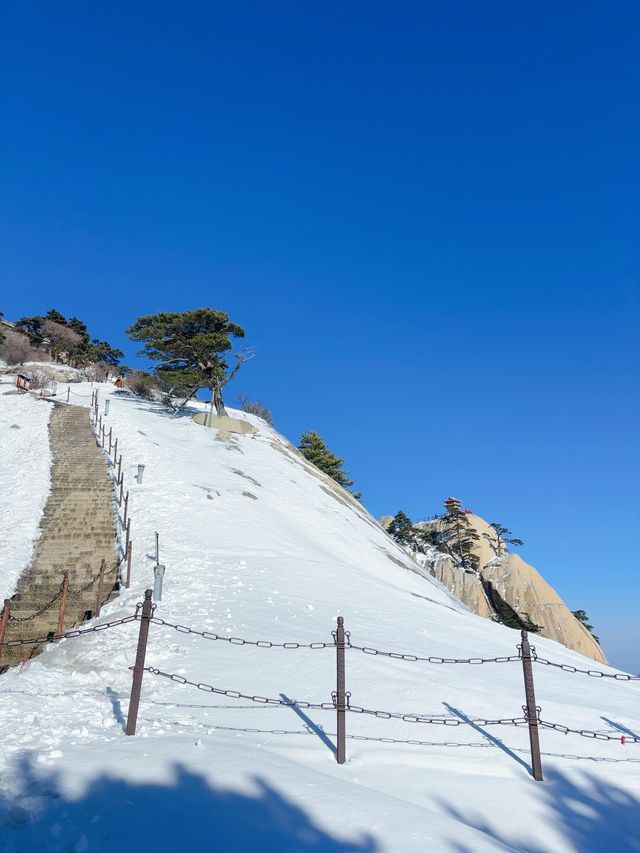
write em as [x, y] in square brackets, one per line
[530, 709]
[4, 618]
[121, 487]
[126, 509]
[340, 695]
[115, 451]
[128, 533]
[64, 588]
[103, 435]
[110, 445]
[68, 392]
[157, 547]
[138, 670]
[128, 581]
[119, 465]
[100, 588]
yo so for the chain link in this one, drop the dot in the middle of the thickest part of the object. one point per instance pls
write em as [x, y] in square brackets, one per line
[367, 650]
[37, 613]
[235, 694]
[239, 641]
[588, 733]
[76, 632]
[594, 673]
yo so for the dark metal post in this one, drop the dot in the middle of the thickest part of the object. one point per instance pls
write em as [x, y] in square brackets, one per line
[138, 670]
[121, 487]
[103, 436]
[64, 588]
[115, 450]
[110, 445]
[119, 464]
[157, 547]
[4, 618]
[68, 392]
[126, 508]
[341, 754]
[128, 581]
[128, 532]
[530, 708]
[100, 588]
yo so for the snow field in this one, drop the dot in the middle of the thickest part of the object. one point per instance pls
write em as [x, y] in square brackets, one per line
[257, 546]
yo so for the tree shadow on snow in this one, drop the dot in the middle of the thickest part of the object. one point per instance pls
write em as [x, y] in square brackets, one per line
[187, 813]
[593, 817]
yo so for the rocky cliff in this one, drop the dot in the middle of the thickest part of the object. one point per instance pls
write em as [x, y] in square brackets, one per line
[508, 583]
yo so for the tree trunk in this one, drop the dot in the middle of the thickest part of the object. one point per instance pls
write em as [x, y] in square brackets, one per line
[217, 401]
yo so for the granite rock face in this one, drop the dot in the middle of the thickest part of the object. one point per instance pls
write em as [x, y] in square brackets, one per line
[508, 580]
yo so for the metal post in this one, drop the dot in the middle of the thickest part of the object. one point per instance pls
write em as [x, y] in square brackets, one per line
[128, 581]
[157, 548]
[119, 463]
[530, 709]
[126, 509]
[103, 435]
[64, 588]
[68, 392]
[100, 588]
[115, 450]
[341, 700]
[121, 487]
[128, 531]
[4, 618]
[138, 670]
[110, 444]
[158, 575]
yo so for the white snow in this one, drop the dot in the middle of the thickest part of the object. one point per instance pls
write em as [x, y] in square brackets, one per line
[257, 546]
[25, 462]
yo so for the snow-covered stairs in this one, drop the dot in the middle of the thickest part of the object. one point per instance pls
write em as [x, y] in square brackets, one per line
[77, 533]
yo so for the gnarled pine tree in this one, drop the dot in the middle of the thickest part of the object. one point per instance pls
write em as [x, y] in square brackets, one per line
[191, 348]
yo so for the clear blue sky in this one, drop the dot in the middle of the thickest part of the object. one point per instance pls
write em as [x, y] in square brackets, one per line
[424, 214]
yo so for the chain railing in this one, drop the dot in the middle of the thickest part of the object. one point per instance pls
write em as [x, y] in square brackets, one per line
[74, 632]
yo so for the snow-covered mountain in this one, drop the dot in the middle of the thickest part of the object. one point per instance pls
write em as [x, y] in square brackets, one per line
[259, 545]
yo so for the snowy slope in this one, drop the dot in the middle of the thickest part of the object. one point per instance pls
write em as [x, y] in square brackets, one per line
[25, 462]
[258, 546]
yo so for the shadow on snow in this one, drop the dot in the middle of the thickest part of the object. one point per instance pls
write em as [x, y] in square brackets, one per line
[187, 814]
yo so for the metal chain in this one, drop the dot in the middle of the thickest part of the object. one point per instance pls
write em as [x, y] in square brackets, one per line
[76, 632]
[235, 694]
[587, 733]
[594, 673]
[439, 720]
[367, 650]
[37, 613]
[326, 706]
[239, 641]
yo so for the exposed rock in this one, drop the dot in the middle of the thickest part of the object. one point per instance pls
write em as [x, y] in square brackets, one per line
[508, 580]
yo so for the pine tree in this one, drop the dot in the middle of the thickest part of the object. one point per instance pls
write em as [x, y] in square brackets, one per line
[458, 536]
[192, 348]
[316, 451]
[582, 617]
[499, 537]
[405, 532]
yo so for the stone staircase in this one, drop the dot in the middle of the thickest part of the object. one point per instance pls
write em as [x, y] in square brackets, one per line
[77, 532]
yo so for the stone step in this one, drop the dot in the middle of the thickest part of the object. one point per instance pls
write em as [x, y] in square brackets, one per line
[77, 531]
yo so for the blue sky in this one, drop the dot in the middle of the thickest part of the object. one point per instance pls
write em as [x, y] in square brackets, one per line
[424, 214]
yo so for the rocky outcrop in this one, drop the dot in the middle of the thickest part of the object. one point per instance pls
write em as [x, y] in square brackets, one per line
[507, 583]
